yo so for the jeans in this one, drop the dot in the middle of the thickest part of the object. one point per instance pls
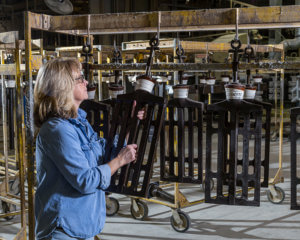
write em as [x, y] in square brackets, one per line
[59, 234]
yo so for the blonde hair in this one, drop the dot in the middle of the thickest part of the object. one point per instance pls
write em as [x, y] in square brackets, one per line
[53, 91]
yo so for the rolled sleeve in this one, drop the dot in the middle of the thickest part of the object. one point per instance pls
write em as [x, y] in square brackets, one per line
[105, 176]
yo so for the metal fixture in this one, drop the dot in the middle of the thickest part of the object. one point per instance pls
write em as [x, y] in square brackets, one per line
[60, 6]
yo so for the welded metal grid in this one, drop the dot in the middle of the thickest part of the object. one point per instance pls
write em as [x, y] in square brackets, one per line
[133, 179]
[295, 179]
[177, 165]
[233, 120]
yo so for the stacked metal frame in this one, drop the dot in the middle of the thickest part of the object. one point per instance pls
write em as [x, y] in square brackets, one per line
[230, 120]
[295, 179]
[98, 115]
[134, 179]
[177, 165]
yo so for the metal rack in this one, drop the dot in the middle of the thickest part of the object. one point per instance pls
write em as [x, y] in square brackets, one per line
[169, 21]
[13, 181]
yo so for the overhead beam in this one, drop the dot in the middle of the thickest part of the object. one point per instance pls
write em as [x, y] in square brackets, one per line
[36, 44]
[171, 21]
[197, 66]
[168, 45]
[8, 37]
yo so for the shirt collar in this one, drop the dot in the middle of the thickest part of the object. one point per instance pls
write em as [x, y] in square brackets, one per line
[81, 117]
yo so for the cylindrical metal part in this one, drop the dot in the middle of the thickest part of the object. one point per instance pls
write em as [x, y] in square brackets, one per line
[156, 191]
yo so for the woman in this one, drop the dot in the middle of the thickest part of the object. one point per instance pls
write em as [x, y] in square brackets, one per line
[71, 174]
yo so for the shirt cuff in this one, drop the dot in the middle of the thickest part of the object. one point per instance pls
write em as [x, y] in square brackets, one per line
[105, 176]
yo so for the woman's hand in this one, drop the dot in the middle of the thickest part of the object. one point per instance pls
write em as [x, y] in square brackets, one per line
[141, 114]
[125, 156]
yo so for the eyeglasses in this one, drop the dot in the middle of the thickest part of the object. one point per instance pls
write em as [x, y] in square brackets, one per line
[80, 79]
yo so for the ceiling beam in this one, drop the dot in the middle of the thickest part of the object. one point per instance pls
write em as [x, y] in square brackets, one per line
[171, 21]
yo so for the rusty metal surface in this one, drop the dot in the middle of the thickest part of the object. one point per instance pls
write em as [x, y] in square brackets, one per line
[295, 179]
[134, 179]
[189, 167]
[20, 146]
[232, 120]
[171, 21]
[197, 66]
[98, 115]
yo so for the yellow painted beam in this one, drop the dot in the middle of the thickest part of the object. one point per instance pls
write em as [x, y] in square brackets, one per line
[168, 45]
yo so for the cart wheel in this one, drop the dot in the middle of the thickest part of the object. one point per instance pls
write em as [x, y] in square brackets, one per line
[112, 206]
[278, 198]
[184, 223]
[212, 185]
[142, 211]
[7, 208]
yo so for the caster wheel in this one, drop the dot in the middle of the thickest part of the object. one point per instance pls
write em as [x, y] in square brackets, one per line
[7, 208]
[278, 198]
[184, 223]
[141, 213]
[212, 185]
[112, 206]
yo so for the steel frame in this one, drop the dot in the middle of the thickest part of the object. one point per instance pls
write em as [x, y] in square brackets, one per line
[98, 115]
[295, 179]
[173, 160]
[134, 179]
[12, 39]
[266, 125]
[233, 120]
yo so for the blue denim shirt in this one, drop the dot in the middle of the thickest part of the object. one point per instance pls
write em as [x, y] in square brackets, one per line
[71, 178]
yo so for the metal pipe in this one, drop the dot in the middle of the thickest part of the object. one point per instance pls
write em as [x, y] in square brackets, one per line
[29, 126]
[293, 44]
[4, 125]
[20, 148]
[10, 106]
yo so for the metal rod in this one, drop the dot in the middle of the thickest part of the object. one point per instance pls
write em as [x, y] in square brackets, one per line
[275, 101]
[20, 148]
[10, 108]
[158, 24]
[237, 24]
[4, 125]
[29, 126]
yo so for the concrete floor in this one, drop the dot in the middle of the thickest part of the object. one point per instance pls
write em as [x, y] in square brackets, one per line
[208, 221]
